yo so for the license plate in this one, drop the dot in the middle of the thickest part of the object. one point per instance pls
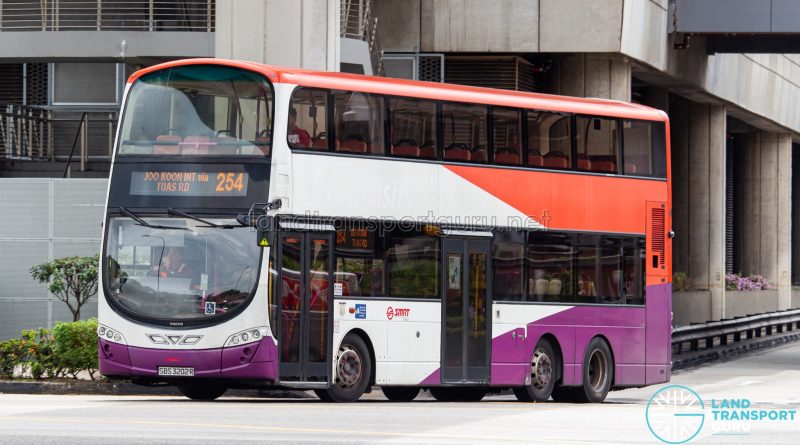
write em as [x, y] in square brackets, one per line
[175, 371]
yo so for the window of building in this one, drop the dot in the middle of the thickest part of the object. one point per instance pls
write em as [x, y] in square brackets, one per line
[358, 119]
[508, 262]
[597, 140]
[85, 83]
[308, 119]
[506, 136]
[413, 262]
[359, 262]
[550, 267]
[549, 144]
[464, 133]
[412, 128]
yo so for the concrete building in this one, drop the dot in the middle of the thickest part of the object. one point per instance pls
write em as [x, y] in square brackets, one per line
[726, 71]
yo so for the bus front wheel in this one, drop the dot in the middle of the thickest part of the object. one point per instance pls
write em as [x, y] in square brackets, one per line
[203, 390]
[544, 373]
[353, 369]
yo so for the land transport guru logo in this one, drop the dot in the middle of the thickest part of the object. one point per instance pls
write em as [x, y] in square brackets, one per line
[676, 414]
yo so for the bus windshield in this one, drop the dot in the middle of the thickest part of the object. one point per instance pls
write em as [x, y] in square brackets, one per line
[180, 269]
[198, 110]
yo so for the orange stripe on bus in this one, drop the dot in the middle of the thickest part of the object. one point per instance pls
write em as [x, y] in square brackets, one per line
[571, 201]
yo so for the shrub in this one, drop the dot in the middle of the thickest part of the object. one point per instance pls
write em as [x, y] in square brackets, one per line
[75, 347]
[68, 350]
[681, 282]
[734, 281]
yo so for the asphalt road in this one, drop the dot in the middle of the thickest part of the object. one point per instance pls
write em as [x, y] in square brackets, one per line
[769, 380]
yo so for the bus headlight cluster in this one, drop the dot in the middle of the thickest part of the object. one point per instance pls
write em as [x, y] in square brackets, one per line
[249, 336]
[109, 334]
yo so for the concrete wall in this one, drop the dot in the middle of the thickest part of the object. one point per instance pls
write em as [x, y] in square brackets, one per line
[44, 219]
[694, 306]
[296, 33]
[130, 46]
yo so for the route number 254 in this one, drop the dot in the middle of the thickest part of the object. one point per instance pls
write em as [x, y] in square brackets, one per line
[228, 182]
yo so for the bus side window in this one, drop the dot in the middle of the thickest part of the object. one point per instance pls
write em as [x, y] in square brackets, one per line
[308, 119]
[412, 128]
[358, 121]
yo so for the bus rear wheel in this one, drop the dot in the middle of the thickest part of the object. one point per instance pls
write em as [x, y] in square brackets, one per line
[353, 370]
[544, 373]
[400, 393]
[203, 390]
[598, 373]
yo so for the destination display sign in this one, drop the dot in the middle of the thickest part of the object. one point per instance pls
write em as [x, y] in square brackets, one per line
[189, 183]
[355, 239]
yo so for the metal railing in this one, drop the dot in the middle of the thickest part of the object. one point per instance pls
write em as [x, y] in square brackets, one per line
[357, 23]
[34, 133]
[107, 15]
[716, 334]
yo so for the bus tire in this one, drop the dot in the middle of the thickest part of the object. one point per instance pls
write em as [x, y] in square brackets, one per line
[544, 372]
[352, 371]
[400, 393]
[598, 372]
[458, 394]
[203, 390]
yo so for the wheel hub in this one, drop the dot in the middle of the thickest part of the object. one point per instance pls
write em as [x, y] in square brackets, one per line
[348, 367]
[541, 369]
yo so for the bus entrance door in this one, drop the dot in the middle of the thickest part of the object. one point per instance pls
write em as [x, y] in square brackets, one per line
[304, 331]
[466, 308]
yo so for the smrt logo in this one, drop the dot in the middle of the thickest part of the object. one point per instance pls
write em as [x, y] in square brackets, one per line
[397, 312]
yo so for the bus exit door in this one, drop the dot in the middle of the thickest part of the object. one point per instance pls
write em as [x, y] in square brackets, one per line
[466, 335]
[304, 327]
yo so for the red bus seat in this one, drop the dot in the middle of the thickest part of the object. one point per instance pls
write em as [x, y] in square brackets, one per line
[479, 155]
[457, 154]
[411, 151]
[320, 143]
[555, 159]
[507, 158]
[630, 169]
[427, 152]
[584, 163]
[167, 149]
[352, 146]
[604, 166]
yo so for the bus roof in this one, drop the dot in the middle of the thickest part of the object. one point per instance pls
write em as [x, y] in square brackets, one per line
[429, 90]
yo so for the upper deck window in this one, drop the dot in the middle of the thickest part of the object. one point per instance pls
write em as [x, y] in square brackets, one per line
[464, 133]
[412, 128]
[643, 148]
[358, 120]
[308, 119]
[597, 140]
[549, 143]
[198, 110]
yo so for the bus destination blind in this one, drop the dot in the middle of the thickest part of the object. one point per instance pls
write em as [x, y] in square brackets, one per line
[188, 183]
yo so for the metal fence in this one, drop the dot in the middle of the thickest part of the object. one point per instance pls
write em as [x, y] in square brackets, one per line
[107, 15]
[34, 133]
[357, 22]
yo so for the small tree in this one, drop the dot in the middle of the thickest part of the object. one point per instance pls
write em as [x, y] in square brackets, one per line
[72, 280]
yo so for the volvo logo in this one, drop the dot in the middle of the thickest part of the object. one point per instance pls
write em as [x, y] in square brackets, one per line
[174, 339]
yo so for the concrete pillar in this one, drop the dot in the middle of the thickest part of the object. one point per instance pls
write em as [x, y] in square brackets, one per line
[593, 75]
[295, 33]
[767, 199]
[698, 170]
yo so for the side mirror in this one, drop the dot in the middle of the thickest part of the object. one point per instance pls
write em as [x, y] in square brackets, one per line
[265, 227]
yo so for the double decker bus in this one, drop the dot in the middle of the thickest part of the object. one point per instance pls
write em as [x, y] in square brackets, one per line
[271, 227]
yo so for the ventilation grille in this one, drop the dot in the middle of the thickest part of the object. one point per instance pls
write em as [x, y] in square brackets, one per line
[657, 241]
[729, 208]
[36, 88]
[509, 73]
[430, 68]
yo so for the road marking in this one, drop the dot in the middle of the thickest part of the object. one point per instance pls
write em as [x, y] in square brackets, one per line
[293, 429]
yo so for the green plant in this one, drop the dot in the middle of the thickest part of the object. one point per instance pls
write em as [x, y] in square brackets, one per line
[75, 347]
[680, 282]
[72, 280]
[11, 352]
[38, 357]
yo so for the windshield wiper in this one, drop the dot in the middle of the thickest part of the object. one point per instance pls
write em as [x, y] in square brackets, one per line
[144, 223]
[173, 212]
